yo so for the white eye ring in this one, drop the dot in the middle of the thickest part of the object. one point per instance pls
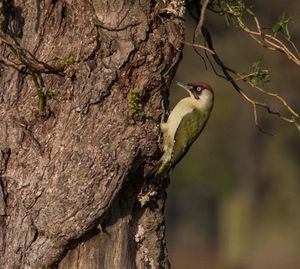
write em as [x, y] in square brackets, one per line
[198, 89]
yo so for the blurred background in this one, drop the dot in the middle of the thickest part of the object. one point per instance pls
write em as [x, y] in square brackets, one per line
[234, 200]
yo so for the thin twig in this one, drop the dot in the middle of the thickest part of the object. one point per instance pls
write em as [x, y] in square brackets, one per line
[254, 103]
[293, 45]
[197, 46]
[32, 64]
[198, 52]
[204, 4]
[266, 40]
[34, 67]
[275, 95]
[244, 77]
[9, 63]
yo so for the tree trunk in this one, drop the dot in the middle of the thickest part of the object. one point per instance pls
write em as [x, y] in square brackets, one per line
[73, 192]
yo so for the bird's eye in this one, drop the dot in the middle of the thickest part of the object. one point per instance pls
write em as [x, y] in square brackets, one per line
[198, 89]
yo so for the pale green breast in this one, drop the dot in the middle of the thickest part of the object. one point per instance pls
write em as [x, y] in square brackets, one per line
[187, 132]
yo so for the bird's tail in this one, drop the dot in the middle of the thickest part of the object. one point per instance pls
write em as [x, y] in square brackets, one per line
[159, 169]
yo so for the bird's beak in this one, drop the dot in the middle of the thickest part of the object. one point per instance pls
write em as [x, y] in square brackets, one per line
[184, 86]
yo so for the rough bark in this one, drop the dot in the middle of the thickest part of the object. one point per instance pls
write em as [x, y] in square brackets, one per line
[73, 192]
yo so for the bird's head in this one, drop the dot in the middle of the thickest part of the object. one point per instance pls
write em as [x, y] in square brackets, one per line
[197, 89]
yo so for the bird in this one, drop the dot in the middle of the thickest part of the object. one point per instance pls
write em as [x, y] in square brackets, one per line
[184, 124]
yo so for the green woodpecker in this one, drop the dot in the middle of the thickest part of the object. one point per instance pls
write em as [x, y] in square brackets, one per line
[184, 125]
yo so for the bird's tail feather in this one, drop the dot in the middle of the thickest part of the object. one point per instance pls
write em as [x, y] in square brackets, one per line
[159, 169]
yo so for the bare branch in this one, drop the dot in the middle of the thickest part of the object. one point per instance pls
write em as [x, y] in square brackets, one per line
[264, 39]
[31, 63]
[197, 46]
[34, 67]
[254, 103]
[275, 95]
[9, 63]
[204, 4]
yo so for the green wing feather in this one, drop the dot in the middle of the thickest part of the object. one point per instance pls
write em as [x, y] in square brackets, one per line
[188, 130]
